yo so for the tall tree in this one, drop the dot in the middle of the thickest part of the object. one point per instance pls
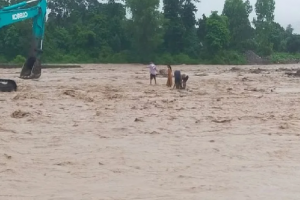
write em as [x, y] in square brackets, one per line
[191, 41]
[174, 27]
[264, 23]
[237, 12]
[145, 27]
[201, 30]
[278, 37]
[99, 31]
[289, 30]
[293, 44]
[217, 33]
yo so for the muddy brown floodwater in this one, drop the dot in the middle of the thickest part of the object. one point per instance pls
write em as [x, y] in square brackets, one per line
[102, 132]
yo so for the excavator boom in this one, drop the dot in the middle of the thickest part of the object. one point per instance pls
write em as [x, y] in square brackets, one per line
[12, 14]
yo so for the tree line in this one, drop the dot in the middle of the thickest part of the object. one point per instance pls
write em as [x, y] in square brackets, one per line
[90, 31]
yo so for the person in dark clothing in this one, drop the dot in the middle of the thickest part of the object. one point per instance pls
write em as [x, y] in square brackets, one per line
[178, 81]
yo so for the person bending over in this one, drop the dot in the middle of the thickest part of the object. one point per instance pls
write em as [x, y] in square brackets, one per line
[184, 80]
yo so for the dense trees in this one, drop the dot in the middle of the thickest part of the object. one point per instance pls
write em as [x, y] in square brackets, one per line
[241, 32]
[137, 31]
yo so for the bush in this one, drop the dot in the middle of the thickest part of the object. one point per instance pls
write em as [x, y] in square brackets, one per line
[69, 59]
[118, 58]
[284, 57]
[176, 59]
[18, 60]
[222, 58]
[228, 58]
[185, 59]
[165, 59]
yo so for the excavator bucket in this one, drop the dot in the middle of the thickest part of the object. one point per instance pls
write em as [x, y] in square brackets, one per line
[31, 69]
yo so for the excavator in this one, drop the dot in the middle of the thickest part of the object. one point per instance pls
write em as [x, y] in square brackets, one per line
[12, 14]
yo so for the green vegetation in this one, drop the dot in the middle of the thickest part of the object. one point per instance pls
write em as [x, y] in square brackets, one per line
[285, 58]
[95, 32]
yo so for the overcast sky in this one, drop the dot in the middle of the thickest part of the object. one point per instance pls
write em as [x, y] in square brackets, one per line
[286, 11]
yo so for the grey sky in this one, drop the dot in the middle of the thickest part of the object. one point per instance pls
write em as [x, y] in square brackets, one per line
[286, 11]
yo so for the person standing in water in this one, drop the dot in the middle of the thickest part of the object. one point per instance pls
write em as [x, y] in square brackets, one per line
[178, 81]
[153, 72]
[170, 77]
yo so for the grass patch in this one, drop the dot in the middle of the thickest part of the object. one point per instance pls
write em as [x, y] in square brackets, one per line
[284, 58]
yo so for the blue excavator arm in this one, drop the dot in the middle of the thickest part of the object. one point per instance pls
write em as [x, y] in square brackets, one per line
[12, 14]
